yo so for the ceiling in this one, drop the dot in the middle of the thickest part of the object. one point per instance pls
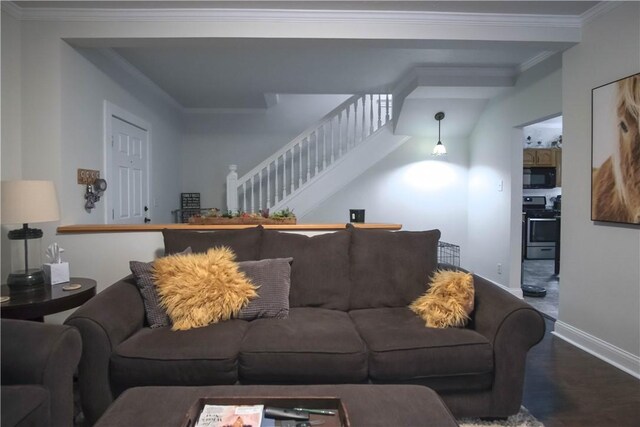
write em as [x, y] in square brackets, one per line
[547, 7]
[223, 73]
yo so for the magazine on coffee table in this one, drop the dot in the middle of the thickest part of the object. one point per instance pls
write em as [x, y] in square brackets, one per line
[230, 416]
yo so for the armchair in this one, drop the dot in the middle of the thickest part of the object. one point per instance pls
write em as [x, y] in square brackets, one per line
[38, 361]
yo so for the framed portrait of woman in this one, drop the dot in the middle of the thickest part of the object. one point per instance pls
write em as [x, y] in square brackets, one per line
[615, 151]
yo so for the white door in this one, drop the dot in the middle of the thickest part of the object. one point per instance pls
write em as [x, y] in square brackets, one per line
[129, 187]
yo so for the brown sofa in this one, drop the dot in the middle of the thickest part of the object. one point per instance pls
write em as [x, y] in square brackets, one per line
[348, 323]
[38, 361]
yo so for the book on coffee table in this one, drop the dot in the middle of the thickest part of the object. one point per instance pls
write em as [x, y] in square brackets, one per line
[318, 405]
[230, 416]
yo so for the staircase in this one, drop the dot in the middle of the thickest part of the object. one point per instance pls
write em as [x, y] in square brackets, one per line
[319, 161]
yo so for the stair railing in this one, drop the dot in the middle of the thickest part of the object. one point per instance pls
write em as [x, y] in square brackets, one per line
[308, 155]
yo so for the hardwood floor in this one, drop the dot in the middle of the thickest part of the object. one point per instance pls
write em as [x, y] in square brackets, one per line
[567, 387]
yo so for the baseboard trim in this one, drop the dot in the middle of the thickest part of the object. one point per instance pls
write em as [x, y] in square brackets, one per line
[603, 350]
[513, 291]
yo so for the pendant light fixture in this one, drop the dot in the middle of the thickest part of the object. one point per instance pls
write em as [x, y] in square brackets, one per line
[439, 149]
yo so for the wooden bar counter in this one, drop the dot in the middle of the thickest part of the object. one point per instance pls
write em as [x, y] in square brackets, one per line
[120, 228]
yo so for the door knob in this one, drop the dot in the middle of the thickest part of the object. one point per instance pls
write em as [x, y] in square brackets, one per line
[146, 220]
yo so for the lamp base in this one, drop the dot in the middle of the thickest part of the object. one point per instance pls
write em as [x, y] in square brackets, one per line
[31, 279]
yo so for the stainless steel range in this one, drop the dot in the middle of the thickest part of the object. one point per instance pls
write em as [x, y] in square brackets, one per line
[541, 228]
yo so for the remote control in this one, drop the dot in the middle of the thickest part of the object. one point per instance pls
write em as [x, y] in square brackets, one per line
[285, 414]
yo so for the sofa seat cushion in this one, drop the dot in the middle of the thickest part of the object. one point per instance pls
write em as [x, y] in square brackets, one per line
[314, 345]
[403, 349]
[200, 356]
[25, 405]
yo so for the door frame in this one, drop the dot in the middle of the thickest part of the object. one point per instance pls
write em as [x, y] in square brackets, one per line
[112, 110]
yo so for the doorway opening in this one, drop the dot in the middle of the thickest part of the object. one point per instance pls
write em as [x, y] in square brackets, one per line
[541, 214]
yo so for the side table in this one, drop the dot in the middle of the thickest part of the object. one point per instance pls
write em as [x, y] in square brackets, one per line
[35, 304]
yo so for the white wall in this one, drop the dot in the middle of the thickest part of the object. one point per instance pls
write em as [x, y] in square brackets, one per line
[409, 187]
[212, 141]
[11, 132]
[11, 103]
[52, 124]
[600, 278]
[88, 79]
[495, 171]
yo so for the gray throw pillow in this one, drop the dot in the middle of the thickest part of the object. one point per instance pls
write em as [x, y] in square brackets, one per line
[143, 272]
[273, 279]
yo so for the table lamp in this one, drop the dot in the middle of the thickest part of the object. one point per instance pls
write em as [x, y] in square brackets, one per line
[25, 202]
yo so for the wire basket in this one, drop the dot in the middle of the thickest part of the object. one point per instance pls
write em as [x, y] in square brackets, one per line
[448, 253]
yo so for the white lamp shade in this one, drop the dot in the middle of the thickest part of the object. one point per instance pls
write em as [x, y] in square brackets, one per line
[29, 201]
[439, 150]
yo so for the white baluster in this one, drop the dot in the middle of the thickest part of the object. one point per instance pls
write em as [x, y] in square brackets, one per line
[300, 164]
[293, 150]
[324, 145]
[253, 195]
[379, 111]
[246, 201]
[331, 130]
[371, 114]
[386, 117]
[340, 135]
[268, 204]
[355, 121]
[308, 158]
[316, 159]
[346, 137]
[364, 99]
[232, 188]
[260, 192]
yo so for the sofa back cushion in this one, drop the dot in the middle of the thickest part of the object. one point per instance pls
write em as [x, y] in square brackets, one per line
[390, 269]
[244, 243]
[320, 268]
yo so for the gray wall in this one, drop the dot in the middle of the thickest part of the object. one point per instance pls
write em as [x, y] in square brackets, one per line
[409, 187]
[214, 140]
[600, 281]
[88, 79]
[495, 216]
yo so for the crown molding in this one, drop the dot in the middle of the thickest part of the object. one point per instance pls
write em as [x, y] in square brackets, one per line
[214, 110]
[12, 9]
[531, 62]
[600, 9]
[138, 75]
[284, 16]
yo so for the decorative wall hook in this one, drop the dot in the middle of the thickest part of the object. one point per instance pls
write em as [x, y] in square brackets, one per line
[93, 193]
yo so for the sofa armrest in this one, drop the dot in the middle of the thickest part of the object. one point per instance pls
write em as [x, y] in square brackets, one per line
[44, 354]
[512, 327]
[104, 322]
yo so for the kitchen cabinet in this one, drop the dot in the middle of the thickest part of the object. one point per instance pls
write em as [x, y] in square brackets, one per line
[540, 157]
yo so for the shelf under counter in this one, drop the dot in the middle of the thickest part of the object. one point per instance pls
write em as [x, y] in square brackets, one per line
[121, 228]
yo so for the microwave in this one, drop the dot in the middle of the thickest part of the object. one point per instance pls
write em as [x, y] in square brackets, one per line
[539, 178]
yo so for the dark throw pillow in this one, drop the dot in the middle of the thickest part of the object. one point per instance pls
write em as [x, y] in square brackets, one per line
[143, 272]
[273, 279]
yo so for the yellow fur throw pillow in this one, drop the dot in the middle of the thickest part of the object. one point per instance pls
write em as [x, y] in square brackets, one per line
[199, 289]
[448, 301]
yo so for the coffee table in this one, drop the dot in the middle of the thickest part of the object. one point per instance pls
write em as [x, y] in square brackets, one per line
[367, 405]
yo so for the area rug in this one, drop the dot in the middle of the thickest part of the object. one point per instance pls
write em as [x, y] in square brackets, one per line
[521, 419]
